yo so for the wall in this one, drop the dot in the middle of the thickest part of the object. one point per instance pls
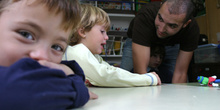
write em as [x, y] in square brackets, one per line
[201, 20]
[210, 23]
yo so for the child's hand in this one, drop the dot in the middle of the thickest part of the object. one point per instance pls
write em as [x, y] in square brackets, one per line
[158, 78]
[63, 67]
[93, 95]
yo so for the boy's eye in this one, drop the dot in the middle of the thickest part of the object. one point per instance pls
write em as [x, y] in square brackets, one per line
[26, 35]
[102, 31]
[57, 48]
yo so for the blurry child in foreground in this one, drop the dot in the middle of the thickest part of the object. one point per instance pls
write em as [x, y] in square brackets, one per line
[33, 37]
[87, 43]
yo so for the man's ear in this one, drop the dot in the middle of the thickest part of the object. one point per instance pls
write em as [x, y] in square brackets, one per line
[162, 2]
[81, 32]
[185, 24]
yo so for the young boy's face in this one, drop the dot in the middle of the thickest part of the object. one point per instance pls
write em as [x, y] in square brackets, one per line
[155, 61]
[31, 31]
[95, 39]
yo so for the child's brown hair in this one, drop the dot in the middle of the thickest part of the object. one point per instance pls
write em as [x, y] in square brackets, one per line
[70, 10]
[158, 49]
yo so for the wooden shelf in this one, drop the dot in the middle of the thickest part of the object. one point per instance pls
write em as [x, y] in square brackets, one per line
[122, 33]
[111, 55]
[119, 11]
[121, 15]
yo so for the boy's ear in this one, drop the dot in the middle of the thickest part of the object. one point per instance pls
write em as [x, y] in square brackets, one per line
[81, 32]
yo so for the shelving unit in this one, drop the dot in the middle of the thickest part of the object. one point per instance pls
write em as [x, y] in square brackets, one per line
[121, 15]
[119, 6]
[112, 59]
[119, 26]
[111, 56]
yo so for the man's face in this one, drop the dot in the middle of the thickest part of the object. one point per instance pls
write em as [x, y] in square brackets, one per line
[168, 24]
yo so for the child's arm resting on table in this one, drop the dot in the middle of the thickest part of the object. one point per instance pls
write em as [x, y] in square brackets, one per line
[69, 69]
[27, 85]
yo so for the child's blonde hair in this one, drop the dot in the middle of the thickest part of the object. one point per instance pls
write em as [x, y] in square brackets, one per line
[90, 16]
[70, 10]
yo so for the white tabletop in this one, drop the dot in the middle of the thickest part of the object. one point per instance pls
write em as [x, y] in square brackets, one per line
[165, 97]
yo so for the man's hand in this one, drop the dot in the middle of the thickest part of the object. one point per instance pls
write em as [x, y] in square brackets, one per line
[63, 67]
[181, 68]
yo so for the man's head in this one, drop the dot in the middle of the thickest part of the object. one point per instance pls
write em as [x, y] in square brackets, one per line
[173, 16]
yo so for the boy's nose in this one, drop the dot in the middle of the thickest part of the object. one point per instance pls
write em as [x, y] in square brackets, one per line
[40, 54]
[106, 37]
[158, 58]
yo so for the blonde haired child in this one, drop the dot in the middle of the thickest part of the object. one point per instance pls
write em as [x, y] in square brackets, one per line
[88, 42]
[33, 38]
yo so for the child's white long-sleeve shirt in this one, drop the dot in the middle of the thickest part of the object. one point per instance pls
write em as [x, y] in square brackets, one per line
[100, 73]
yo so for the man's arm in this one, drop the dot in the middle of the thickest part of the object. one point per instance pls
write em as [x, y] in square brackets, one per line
[141, 58]
[181, 68]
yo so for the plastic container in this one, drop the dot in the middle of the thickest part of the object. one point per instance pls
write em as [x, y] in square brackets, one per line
[208, 53]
